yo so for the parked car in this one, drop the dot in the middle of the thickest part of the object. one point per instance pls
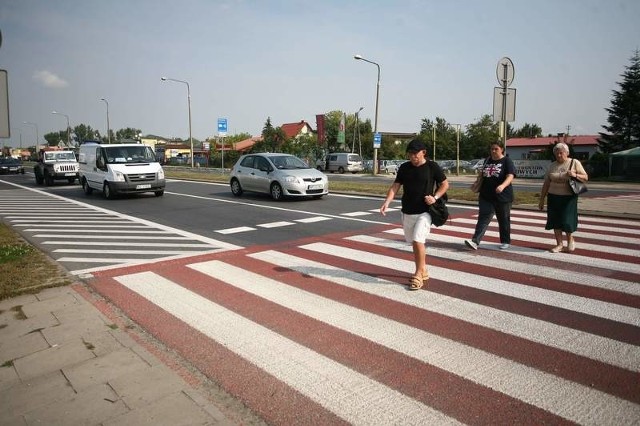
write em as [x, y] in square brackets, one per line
[277, 174]
[9, 165]
[387, 166]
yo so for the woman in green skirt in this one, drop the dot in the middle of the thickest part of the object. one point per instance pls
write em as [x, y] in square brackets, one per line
[562, 204]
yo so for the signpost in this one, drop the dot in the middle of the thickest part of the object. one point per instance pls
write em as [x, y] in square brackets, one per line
[377, 140]
[222, 132]
[507, 97]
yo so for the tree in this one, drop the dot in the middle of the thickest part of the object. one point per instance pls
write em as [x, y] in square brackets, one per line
[55, 138]
[528, 131]
[480, 135]
[623, 129]
[272, 138]
[85, 133]
[128, 133]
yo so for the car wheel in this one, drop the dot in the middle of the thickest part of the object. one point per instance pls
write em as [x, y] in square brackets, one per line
[276, 191]
[236, 189]
[85, 187]
[159, 193]
[341, 170]
[107, 191]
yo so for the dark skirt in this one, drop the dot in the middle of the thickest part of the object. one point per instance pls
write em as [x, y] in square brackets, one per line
[562, 212]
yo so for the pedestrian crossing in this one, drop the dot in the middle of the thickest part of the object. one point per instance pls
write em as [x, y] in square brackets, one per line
[85, 238]
[324, 331]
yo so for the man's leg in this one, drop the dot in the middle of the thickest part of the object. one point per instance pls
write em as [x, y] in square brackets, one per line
[419, 256]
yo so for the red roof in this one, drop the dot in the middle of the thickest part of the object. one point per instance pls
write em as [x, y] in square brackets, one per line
[291, 130]
[589, 140]
[247, 143]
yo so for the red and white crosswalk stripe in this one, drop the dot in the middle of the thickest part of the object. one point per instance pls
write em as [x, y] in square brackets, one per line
[324, 332]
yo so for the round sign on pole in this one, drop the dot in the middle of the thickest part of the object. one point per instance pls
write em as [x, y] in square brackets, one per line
[505, 72]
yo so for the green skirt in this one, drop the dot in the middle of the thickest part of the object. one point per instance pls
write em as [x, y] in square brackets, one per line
[562, 212]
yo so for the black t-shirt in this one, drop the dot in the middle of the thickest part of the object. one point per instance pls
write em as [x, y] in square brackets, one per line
[414, 181]
[494, 173]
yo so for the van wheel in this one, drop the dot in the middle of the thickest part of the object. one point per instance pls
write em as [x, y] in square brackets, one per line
[341, 170]
[107, 191]
[236, 189]
[276, 191]
[86, 188]
[159, 193]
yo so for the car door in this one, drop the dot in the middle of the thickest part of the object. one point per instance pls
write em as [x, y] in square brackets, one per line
[245, 173]
[261, 173]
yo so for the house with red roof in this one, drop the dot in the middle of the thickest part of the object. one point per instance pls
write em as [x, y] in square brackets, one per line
[291, 131]
[528, 148]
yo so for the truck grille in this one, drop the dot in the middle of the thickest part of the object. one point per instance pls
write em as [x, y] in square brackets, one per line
[141, 177]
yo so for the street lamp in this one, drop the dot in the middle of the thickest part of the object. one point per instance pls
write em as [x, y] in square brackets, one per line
[375, 125]
[68, 127]
[108, 127]
[37, 134]
[189, 105]
[355, 128]
[457, 148]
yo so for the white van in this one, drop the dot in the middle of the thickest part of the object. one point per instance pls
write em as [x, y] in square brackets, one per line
[119, 169]
[342, 162]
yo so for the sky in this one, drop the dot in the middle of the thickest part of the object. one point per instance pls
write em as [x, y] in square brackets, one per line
[289, 60]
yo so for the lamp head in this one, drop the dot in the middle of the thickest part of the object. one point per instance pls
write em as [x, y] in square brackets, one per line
[357, 57]
[54, 112]
[163, 78]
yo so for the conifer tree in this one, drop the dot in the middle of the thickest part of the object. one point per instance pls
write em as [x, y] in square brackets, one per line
[623, 129]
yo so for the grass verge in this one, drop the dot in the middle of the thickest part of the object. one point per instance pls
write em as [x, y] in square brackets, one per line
[25, 269]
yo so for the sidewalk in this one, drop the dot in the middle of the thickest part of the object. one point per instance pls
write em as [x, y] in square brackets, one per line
[68, 359]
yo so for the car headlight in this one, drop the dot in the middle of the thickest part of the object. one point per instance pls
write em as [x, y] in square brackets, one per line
[290, 179]
[118, 176]
[161, 174]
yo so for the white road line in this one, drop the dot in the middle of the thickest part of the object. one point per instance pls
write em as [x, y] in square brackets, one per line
[318, 377]
[275, 224]
[526, 383]
[599, 348]
[571, 302]
[235, 230]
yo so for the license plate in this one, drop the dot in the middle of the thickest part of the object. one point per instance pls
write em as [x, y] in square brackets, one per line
[317, 186]
[145, 186]
[13, 169]
[69, 174]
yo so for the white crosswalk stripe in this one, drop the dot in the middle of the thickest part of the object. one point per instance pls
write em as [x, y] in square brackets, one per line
[587, 314]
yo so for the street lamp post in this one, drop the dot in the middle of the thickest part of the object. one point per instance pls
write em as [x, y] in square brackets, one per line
[356, 129]
[37, 133]
[375, 124]
[108, 127]
[457, 148]
[189, 105]
[68, 127]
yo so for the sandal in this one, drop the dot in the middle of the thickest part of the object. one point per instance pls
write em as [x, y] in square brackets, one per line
[425, 276]
[416, 283]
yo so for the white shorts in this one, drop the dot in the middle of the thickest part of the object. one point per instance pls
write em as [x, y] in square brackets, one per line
[416, 227]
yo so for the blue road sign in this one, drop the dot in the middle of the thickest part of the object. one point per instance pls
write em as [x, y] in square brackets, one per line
[222, 125]
[377, 140]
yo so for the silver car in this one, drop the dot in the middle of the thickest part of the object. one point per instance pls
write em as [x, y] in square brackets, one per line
[281, 175]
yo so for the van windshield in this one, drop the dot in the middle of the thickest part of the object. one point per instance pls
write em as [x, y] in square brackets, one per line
[129, 154]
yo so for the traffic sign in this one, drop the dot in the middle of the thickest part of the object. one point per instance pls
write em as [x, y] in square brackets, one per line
[377, 140]
[222, 126]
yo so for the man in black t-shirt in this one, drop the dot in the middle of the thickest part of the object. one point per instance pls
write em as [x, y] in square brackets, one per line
[417, 177]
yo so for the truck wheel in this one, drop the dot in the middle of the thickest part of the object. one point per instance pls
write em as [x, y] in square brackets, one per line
[39, 179]
[48, 179]
[107, 191]
[85, 187]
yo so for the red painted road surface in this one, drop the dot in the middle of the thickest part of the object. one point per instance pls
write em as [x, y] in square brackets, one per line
[324, 331]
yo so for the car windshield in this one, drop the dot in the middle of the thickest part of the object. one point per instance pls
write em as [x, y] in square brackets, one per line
[60, 156]
[129, 154]
[283, 162]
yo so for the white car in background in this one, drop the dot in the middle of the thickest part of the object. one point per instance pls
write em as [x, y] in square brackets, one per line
[277, 174]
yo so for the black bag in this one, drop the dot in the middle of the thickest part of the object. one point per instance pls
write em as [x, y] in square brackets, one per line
[439, 212]
[577, 186]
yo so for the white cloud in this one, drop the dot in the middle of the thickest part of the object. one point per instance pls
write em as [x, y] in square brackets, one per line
[50, 80]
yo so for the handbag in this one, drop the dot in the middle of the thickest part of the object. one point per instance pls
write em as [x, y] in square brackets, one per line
[577, 186]
[477, 184]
